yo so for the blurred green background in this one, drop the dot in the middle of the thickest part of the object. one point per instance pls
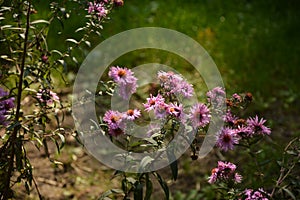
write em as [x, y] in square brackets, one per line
[255, 44]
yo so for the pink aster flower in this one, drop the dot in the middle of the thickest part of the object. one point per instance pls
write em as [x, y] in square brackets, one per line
[160, 109]
[237, 97]
[132, 114]
[175, 110]
[6, 104]
[153, 101]
[216, 97]
[258, 126]
[200, 115]
[243, 131]
[114, 119]
[175, 84]
[47, 96]
[250, 194]
[230, 118]
[225, 172]
[125, 79]
[226, 139]
[98, 9]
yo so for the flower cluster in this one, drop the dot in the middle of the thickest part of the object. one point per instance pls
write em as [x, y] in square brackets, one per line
[125, 79]
[236, 128]
[175, 84]
[216, 97]
[162, 105]
[116, 121]
[5, 105]
[225, 172]
[250, 194]
[47, 97]
[98, 8]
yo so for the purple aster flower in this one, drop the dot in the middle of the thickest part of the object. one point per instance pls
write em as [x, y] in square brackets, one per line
[175, 84]
[214, 176]
[132, 114]
[3, 93]
[153, 101]
[127, 89]
[47, 96]
[114, 119]
[175, 110]
[237, 97]
[200, 115]
[160, 109]
[230, 118]
[125, 79]
[98, 9]
[258, 126]
[6, 104]
[216, 97]
[243, 131]
[238, 178]
[225, 172]
[250, 194]
[226, 139]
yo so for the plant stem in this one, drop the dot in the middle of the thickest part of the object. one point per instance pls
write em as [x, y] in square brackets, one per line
[13, 137]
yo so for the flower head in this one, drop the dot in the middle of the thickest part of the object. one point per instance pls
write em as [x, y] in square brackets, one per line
[250, 194]
[175, 84]
[98, 9]
[257, 126]
[153, 102]
[175, 110]
[216, 97]
[200, 115]
[125, 79]
[225, 172]
[132, 114]
[226, 139]
[5, 105]
[47, 96]
[115, 122]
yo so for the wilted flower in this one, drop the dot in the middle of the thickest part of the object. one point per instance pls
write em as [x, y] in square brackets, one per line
[225, 172]
[175, 84]
[257, 126]
[47, 96]
[200, 115]
[226, 139]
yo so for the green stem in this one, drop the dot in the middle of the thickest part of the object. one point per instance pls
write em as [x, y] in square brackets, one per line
[13, 137]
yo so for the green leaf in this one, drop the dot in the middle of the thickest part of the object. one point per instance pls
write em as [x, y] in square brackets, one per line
[40, 21]
[173, 165]
[145, 161]
[149, 188]
[138, 191]
[163, 184]
[289, 193]
[72, 40]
